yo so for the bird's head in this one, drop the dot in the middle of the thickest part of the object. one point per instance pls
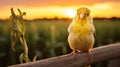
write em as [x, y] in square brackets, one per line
[83, 12]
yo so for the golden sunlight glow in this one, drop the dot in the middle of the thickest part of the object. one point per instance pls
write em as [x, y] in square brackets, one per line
[102, 6]
[70, 13]
[107, 10]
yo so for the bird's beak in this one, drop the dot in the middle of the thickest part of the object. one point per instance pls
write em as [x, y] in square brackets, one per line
[82, 15]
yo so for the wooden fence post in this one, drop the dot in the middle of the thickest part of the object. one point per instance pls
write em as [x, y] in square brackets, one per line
[99, 54]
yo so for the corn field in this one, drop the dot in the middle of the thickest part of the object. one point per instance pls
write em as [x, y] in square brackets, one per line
[48, 38]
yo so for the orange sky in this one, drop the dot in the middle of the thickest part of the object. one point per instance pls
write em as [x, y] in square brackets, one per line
[60, 8]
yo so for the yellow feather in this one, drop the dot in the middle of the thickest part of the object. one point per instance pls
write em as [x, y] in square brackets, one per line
[81, 31]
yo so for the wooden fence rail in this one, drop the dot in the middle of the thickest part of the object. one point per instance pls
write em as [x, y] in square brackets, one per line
[111, 51]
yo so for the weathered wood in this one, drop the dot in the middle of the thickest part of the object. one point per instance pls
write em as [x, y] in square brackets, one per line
[102, 53]
[114, 63]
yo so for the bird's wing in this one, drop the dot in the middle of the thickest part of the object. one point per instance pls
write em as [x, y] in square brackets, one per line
[93, 27]
[70, 26]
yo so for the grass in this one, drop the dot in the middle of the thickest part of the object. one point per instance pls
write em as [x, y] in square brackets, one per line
[48, 38]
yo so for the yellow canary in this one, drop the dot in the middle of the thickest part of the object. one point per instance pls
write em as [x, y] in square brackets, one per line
[81, 31]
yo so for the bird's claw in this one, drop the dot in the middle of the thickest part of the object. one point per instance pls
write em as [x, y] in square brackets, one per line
[90, 55]
[74, 53]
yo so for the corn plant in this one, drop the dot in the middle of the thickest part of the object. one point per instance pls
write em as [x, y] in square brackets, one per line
[18, 30]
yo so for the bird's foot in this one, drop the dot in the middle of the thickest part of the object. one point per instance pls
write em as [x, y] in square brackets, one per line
[74, 53]
[90, 55]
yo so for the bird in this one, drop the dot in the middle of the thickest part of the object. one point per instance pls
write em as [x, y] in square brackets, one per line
[81, 32]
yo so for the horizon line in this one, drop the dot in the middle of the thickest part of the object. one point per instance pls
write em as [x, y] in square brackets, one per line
[56, 18]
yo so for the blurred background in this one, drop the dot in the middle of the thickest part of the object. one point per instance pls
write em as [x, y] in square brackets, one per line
[46, 25]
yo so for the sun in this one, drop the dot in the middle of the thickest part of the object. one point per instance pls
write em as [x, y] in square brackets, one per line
[70, 13]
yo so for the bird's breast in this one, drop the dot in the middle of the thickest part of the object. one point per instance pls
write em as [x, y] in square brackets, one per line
[82, 30]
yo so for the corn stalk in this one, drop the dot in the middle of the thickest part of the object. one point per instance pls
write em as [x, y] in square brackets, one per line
[18, 30]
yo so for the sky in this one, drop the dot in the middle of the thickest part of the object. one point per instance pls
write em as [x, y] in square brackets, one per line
[60, 8]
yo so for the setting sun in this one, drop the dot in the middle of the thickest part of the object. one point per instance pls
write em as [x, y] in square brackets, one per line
[70, 13]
